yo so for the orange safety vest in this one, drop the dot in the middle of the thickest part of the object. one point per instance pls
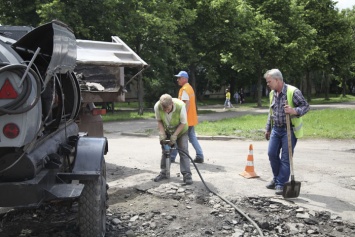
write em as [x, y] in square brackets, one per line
[191, 113]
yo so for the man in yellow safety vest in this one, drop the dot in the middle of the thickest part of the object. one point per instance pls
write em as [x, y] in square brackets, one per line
[172, 124]
[276, 130]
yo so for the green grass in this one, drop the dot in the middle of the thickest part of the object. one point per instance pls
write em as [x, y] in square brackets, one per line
[247, 126]
[124, 115]
[324, 124]
[330, 123]
[332, 99]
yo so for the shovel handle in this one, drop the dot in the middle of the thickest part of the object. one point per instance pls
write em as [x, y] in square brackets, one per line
[289, 142]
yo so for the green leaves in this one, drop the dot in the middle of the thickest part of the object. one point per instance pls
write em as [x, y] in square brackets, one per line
[219, 42]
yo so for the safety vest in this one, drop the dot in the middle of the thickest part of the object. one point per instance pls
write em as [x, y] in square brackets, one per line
[192, 113]
[297, 122]
[175, 118]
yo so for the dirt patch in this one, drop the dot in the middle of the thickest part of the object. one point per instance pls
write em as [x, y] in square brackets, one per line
[176, 210]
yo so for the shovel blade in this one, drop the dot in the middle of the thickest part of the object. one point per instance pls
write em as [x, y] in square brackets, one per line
[291, 189]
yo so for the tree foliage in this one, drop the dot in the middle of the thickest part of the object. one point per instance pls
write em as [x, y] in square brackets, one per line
[221, 43]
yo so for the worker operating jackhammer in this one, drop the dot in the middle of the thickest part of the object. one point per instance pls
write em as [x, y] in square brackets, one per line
[172, 125]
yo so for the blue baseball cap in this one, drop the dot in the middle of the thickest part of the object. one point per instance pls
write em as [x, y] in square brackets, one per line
[182, 74]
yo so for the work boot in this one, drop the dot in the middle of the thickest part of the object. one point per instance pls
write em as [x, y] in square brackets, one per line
[187, 179]
[160, 177]
[279, 190]
[198, 160]
[271, 185]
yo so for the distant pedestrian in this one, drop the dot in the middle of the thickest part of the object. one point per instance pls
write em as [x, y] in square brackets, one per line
[187, 95]
[227, 103]
[276, 130]
[236, 97]
[241, 96]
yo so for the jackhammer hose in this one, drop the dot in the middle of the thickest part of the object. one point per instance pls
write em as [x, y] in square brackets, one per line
[13, 107]
[224, 199]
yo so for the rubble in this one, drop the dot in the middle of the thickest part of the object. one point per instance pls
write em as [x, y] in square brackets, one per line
[173, 210]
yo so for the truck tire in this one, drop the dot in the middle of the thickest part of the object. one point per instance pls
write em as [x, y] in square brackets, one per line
[92, 206]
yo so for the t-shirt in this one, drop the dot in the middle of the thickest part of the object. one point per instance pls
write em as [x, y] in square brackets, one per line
[185, 96]
[228, 95]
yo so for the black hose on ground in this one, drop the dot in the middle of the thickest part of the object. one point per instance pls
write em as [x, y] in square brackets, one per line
[221, 197]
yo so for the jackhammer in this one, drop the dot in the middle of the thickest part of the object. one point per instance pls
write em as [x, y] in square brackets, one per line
[167, 149]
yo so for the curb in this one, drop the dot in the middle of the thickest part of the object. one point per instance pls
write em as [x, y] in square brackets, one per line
[135, 134]
[217, 138]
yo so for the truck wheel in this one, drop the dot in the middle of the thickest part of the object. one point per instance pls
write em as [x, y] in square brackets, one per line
[92, 206]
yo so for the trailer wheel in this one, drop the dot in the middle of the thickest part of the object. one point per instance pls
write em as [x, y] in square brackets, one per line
[92, 206]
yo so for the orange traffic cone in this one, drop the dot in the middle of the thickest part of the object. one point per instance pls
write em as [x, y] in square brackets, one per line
[249, 168]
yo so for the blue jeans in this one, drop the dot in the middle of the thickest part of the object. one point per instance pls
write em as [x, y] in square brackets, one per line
[227, 103]
[181, 142]
[194, 142]
[278, 154]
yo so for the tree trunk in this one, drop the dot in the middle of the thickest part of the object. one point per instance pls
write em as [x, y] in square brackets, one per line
[140, 95]
[140, 81]
[232, 84]
[344, 86]
[192, 81]
[259, 88]
[301, 86]
[326, 84]
[192, 78]
[308, 86]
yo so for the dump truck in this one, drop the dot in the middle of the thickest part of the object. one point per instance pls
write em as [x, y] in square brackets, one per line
[52, 144]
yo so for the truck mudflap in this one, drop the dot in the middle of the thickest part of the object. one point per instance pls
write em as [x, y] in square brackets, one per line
[89, 157]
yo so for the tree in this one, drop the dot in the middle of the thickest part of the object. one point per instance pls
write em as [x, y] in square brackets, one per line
[150, 28]
[80, 15]
[19, 12]
[220, 42]
[329, 43]
[344, 58]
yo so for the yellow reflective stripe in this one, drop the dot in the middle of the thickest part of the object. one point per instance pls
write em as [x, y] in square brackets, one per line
[299, 127]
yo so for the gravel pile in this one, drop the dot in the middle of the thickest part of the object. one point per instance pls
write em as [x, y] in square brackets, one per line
[174, 210]
[276, 217]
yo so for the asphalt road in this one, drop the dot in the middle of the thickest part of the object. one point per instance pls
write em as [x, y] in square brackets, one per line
[326, 168]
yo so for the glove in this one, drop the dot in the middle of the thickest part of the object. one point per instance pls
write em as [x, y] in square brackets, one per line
[162, 137]
[173, 139]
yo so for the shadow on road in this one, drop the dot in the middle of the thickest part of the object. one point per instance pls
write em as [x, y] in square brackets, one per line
[331, 203]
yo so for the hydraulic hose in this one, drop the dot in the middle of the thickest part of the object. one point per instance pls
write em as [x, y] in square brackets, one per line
[14, 106]
[221, 197]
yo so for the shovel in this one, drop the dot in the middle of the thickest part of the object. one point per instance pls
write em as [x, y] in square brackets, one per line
[291, 189]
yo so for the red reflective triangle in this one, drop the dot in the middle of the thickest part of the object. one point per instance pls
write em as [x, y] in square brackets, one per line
[7, 91]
